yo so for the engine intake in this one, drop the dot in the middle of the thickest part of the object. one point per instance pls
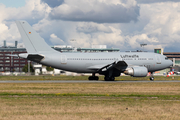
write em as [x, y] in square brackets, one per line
[136, 71]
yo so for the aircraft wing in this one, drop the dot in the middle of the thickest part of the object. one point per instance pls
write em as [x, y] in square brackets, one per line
[120, 65]
[98, 67]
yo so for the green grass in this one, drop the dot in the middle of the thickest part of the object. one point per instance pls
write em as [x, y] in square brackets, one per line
[162, 97]
[63, 77]
[98, 101]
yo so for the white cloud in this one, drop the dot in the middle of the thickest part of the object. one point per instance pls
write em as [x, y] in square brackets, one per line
[136, 40]
[113, 39]
[9, 34]
[54, 39]
[155, 1]
[163, 22]
[53, 3]
[109, 22]
[90, 27]
[100, 11]
[32, 11]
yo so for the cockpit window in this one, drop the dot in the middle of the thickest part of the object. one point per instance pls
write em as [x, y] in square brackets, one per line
[166, 58]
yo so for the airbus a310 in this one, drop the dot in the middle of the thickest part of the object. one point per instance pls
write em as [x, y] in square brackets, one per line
[111, 65]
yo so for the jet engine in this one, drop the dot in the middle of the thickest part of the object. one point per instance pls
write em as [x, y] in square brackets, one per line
[136, 71]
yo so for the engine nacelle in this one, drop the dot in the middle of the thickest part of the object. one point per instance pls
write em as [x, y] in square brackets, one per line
[137, 71]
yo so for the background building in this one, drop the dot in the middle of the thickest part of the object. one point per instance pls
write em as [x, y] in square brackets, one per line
[9, 63]
[174, 56]
[94, 48]
[159, 50]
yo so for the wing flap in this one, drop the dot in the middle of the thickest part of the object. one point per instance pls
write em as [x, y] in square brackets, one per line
[97, 67]
[120, 65]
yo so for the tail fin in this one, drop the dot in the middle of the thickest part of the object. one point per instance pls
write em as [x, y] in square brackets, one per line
[33, 41]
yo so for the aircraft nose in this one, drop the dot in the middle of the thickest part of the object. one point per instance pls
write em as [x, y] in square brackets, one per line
[170, 63]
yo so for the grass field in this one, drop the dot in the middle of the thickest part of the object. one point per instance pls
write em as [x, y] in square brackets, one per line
[63, 77]
[90, 101]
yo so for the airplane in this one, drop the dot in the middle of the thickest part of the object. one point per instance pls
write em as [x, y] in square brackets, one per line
[111, 65]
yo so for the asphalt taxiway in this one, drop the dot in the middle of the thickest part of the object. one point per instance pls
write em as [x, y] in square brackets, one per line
[82, 81]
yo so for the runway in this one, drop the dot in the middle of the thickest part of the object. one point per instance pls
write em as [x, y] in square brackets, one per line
[83, 81]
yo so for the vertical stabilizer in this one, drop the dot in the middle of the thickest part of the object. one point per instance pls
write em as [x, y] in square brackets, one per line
[33, 41]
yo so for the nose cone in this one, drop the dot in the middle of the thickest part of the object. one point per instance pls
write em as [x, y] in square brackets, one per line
[170, 63]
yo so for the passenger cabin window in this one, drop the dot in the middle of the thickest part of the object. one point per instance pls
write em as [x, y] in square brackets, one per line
[166, 58]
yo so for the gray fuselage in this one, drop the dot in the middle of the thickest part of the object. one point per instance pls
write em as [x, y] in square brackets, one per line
[82, 62]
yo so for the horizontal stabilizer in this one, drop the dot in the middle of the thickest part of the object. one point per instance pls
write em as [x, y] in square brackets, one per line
[35, 57]
[12, 55]
[32, 57]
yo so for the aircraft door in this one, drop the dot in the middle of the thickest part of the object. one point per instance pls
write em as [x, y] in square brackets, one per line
[158, 59]
[148, 66]
[63, 59]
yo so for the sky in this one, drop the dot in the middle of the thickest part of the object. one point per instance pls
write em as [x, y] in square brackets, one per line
[122, 24]
[13, 3]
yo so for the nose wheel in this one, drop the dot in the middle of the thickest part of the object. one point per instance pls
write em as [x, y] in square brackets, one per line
[152, 77]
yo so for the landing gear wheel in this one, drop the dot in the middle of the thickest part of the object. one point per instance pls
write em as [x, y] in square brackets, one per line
[106, 78]
[90, 78]
[96, 78]
[112, 79]
[109, 78]
[151, 78]
[93, 78]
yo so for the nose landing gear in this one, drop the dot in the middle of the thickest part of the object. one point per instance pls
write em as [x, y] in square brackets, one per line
[151, 77]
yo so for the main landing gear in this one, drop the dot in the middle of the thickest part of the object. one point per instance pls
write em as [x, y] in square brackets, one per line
[152, 77]
[93, 77]
[107, 78]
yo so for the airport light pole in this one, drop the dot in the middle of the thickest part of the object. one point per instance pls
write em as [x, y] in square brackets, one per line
[29, 67]
[142, 45]
[74, 40]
